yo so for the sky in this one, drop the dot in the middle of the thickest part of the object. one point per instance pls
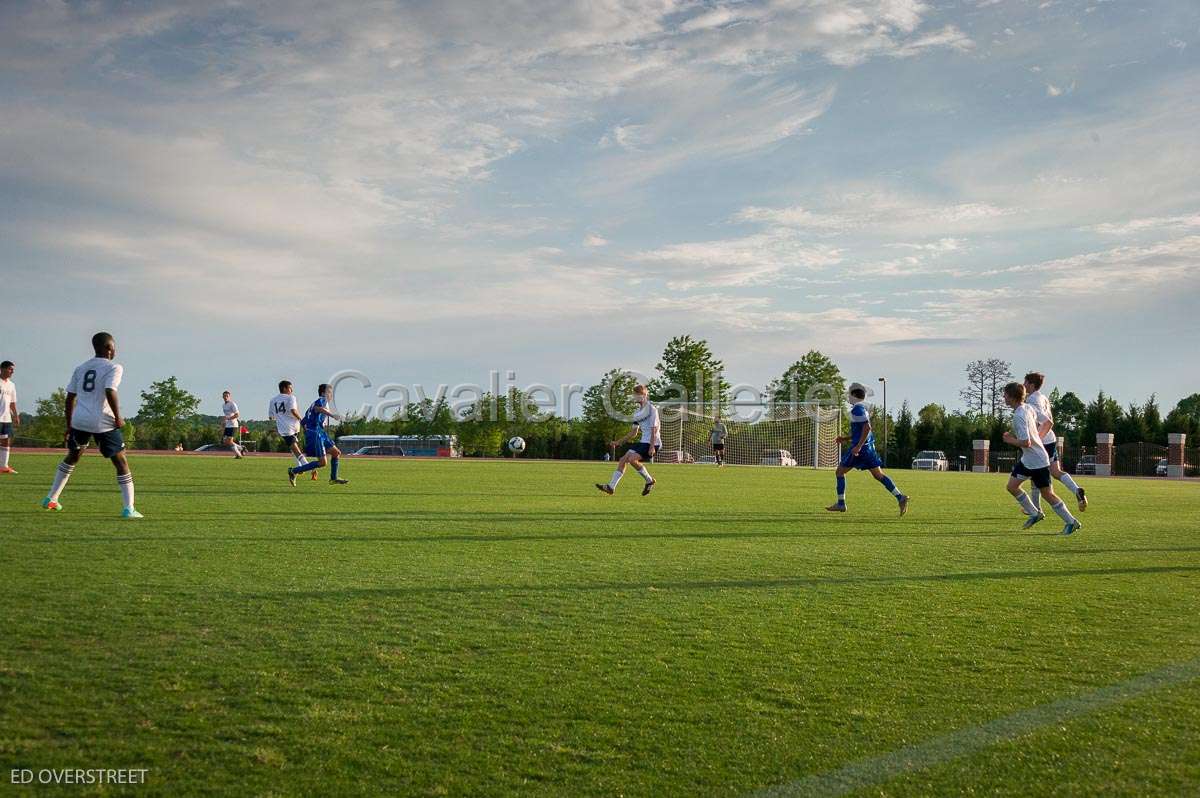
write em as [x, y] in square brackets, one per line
[430, 191]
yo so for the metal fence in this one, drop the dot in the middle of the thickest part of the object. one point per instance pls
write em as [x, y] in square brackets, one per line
[1139, 460]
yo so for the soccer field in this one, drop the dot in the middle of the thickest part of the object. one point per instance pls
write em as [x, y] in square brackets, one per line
[493, 628]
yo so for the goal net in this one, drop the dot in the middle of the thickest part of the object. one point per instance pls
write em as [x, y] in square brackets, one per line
[801, 434]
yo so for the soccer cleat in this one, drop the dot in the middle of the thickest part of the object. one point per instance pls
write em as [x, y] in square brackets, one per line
[603, 488]
[1072, 527]
[1081, 497]
[840, 507]
[646, 490]
[903, 500]
[1033, 519]
[291, 477]
[50, 504]
[339, 481]
[313, 478]
[129, 512]
[8, 470]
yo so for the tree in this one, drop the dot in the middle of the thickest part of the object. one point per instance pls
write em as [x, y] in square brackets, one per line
[1068, 411]
[1131, 427]
[608, 404]
[165, 410]
[927, 432]
[1102, 415]
[1152, 417]
[1189, 406]
[49, 419]
[984, 393]
[814, 377]
[903, 436]
[690, 374]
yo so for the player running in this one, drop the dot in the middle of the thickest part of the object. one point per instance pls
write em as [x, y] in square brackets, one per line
[317, 442]
[285, 412]
[861, 454]
[717, 436]
[645, 421]
[9, 417]
[1034, 462]
[94, 412]
[1045, 427]
[229, 439]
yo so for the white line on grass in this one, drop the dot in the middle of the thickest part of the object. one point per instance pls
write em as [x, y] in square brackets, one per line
[878, 769]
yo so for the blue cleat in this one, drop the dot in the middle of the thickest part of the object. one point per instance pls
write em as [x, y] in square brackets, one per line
[1072, 528]
[1033, 519]
[129, 512]
[50, 504]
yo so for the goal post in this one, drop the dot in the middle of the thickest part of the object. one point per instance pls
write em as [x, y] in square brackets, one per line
[800, 434]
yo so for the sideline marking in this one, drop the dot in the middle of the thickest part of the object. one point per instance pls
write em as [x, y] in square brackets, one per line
[878, 769]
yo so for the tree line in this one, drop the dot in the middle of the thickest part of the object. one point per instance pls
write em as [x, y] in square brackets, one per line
[689, 374]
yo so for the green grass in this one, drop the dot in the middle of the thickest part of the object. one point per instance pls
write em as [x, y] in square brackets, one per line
[490, 628]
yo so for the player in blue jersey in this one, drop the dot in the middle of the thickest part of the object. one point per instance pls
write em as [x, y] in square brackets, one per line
[317, 443]
[861, 454]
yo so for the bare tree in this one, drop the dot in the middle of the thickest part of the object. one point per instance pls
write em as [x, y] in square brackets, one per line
[986, 379]
[975, 395]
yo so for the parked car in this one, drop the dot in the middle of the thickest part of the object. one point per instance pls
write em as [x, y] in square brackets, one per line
[779, 457]
[386, 451]
[1086, 465]
[1160, 468]
[930, 460]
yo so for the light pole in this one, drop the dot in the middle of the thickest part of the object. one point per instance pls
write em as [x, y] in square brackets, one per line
[885, 421]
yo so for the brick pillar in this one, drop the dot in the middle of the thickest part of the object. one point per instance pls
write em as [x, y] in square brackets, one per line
[980, 460]
[1104, 454]
[1175, 462]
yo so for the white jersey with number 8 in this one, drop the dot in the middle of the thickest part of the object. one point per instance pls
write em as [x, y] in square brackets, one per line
[89, 382]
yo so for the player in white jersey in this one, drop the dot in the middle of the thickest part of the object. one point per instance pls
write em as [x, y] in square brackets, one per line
[93, 411]
[1045, 419]
[285, 412]
[646, 427]
[9, 417]
[232, 422]
[1034, 462]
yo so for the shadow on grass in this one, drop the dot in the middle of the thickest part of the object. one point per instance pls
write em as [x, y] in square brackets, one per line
[720, 584]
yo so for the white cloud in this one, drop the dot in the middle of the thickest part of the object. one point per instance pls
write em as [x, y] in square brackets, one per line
[594, 240]
[1153, 223]
[758, 259]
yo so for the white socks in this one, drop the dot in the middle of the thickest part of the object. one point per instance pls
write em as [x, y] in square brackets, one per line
[300, 459]
[1066, 480]
[645, 475]
[60, 481]
[4, 452]
[126, 483]
[1026, 503]
[616, 477]
[1035, 494]
[1063, 512]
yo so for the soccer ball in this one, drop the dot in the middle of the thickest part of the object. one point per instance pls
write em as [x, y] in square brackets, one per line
[516, 444]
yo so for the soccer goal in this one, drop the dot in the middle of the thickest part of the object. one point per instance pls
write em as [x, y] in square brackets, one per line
[801, 434]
